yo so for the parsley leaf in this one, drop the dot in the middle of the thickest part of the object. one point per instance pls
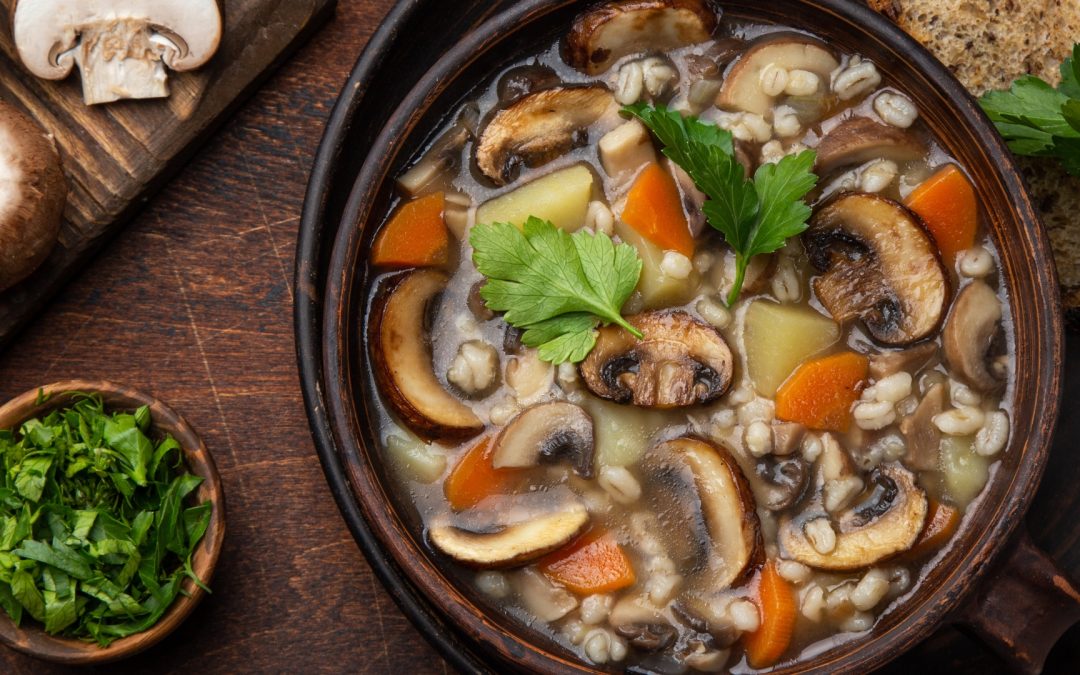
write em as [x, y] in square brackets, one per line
[755, 216]
[1039, 121]
[557, 287]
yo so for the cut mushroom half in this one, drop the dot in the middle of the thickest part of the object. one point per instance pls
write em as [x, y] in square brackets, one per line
[877, 263]
[549, 431]
[401, 353]
[511, 545]
[538, 128]
[886, 522]
[121, 47]
[680, 362]
[719, 490]
[859, 140]
[32, 196]
[605, 34]
[743, 91]
[969, 334]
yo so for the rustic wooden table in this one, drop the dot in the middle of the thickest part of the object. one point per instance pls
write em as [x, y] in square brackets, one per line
[193, 302]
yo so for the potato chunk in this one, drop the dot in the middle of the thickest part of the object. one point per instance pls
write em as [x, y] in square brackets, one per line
[561, 197]
[777, 338]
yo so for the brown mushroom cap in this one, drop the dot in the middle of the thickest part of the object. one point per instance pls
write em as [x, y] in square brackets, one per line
[33, 193]
[556, 430]
[969, 333]
[887, 522]
[605, 34]
[877, 263]
[401, 354]
[511, 545]
[725, 503]
[922, 435]
[860, 140]
[680, 362]
[742, 87]
[538, 128]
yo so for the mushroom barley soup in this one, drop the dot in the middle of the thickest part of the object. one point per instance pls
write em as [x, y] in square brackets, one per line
[692, 349]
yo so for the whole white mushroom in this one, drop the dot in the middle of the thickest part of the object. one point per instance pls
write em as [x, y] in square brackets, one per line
[122, 47]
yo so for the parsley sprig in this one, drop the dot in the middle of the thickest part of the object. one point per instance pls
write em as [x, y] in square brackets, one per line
[1038, 120]
[558, 287]
[756, 216]
[95, 537]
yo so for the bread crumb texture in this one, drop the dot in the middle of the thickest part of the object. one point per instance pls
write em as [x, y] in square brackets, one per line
[988, 44]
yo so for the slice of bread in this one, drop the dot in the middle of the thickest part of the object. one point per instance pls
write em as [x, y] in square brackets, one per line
[988, 44]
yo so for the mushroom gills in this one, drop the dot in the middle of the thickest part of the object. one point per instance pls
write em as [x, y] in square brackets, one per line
[549, 431]
[538, 128]
[401, 354]
[886, 521]
[121, 48]
[513, 544]
[876, 262]
[605, 34]
[680, 362]
[969, 335]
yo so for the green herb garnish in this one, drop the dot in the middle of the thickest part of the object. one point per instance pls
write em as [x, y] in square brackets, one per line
[1039, 121]
[755, 216]
[557, 287]
[95, 539]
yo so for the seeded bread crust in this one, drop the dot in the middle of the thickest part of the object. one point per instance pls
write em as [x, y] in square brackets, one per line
[988, 44]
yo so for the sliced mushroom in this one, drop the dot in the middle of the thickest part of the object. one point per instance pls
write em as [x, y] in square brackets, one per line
[649, 637]
[922, 435]
[969, 334]
[784, 481]
[32, 196]
[605, 34]
[523, 80]
[911, 360]
[680, 362]
[877, 263]
[401, 353]
[547, 431]
[787, 437]
[121, 47]
[860, 140]
[538, 128]
[790, 51]
[511, 545]
[722, 499]
[886, 522]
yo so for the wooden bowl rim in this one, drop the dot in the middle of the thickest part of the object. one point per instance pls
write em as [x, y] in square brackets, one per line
[31, 638]
[345, 415]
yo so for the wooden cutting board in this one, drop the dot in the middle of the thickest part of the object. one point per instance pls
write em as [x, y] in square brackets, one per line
[116, 155]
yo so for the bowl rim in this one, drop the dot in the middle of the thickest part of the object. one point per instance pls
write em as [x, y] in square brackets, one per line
[31, 638]
[362, 482]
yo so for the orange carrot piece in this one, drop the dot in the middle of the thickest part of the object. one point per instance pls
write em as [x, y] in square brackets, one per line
[776, 603]
[595, 563]
[654, 209]
[416, 236]
[941, 522]
[820, 393]
[946, 203]
[475, 477]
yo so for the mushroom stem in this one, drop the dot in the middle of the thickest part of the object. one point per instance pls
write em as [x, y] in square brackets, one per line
[120, 59]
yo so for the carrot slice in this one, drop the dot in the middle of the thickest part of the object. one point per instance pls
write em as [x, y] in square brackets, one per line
[946, 203]
[475, 477]
[595, 563]
[776, 603]
[820, 393]
[416, 236]
[941, 522]
[654, 209]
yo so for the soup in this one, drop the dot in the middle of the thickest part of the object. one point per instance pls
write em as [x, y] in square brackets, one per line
[690, 344]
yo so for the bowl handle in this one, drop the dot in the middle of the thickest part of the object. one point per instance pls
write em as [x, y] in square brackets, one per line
[1023, 608]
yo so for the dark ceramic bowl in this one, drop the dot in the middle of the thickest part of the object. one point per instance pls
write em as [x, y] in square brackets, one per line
[992, 580]
[31, 638]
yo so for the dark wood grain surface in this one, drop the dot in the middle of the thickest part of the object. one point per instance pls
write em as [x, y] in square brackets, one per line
[193, 302]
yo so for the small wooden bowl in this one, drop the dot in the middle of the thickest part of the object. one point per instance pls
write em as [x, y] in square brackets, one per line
[31, 638]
